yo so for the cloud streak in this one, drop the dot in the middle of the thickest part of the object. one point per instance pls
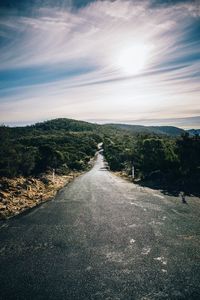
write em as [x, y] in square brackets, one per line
[62, 62]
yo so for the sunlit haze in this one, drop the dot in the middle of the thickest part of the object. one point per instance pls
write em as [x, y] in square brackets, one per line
[132, 59]
[135, 62]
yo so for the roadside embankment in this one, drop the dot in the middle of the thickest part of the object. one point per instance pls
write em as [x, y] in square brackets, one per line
[19, 194]
[123, 175]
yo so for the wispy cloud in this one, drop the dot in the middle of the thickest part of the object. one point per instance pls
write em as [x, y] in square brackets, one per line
[62, 61]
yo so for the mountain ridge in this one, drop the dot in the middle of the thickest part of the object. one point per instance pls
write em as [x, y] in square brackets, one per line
[73, 125]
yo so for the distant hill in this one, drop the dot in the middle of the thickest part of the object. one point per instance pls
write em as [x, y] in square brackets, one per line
[61, 144]
[166, 130]
[55, 126]
[65, 124]
[69, 125]
[169, 130]
[193, 132]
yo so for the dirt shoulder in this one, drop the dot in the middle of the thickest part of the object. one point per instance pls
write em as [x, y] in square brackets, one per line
[123, 175]
[19, 194]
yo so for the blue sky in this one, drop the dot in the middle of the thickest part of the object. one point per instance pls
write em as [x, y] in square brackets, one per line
[103, 61]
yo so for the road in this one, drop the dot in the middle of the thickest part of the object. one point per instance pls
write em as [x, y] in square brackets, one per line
[103, 238]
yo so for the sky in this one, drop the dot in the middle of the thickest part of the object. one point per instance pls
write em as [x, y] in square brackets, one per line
[123, 61]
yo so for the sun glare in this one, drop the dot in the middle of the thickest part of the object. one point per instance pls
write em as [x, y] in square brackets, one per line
[132, 59]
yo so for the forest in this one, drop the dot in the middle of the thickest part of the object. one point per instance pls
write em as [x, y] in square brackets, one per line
[168, 160]
[60, 144]
[170, 163]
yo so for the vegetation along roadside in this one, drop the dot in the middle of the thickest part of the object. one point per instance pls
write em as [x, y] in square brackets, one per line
[163, 157]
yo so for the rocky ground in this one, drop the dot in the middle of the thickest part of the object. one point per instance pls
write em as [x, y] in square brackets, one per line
[20, 193]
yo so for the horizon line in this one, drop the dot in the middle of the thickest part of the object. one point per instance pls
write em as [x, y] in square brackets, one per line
[171, 122]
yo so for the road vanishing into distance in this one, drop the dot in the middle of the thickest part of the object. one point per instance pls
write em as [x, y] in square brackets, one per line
[103, 238]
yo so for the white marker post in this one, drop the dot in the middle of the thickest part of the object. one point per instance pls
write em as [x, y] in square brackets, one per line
[133, 172]
[53, 175]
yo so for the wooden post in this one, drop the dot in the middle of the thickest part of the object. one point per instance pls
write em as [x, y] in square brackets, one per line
[133, 172]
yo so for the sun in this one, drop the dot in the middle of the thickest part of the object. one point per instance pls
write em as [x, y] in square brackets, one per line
[132, 59]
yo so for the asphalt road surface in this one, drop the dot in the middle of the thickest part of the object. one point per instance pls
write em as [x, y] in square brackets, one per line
[103, 238]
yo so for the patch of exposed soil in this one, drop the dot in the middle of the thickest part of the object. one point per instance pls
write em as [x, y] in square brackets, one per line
[19, 194]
